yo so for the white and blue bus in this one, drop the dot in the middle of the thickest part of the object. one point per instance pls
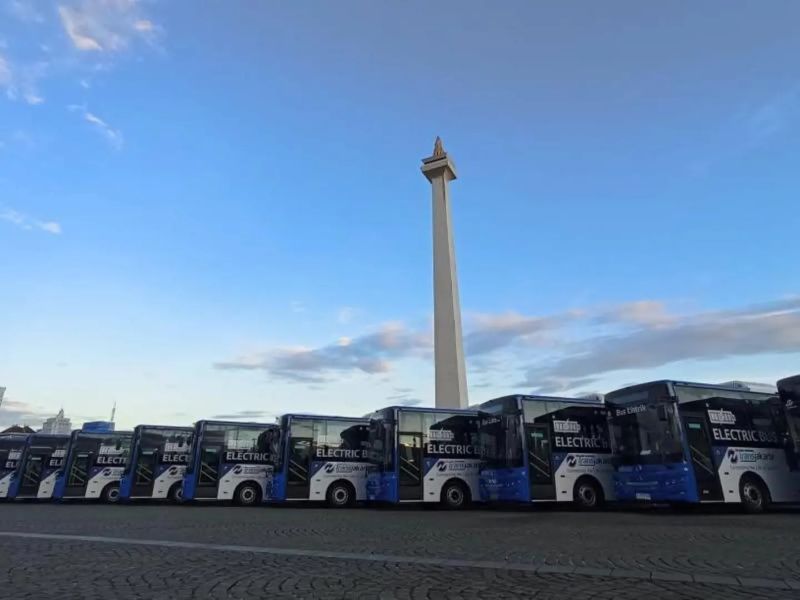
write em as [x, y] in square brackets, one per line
[159, 455]
[789, 391]
[230, 461]
[679, 442]
[424, 455]
[545, 449]
[93, 466]
[42, 459]
[11, 448]
[321, 458]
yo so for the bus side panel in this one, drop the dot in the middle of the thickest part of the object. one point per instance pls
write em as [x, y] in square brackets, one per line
[505, 485]
[99, 478]
[324, 473]
[47, 485]
[440, 470]
[569, 467]
[233, 474]
[5, 484]
[656, 483]
[188, 486]
[126, 484]
[768, 463]
[383, 487]
[168, 475]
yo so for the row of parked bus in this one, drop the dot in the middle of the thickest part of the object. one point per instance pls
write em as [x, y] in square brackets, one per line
[664, 442]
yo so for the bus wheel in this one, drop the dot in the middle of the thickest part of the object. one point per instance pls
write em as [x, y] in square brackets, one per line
[455, 495]
[247, 494]
[753, 494]
[340, 495]
[110, 493]
[175, 493]
[587, 494]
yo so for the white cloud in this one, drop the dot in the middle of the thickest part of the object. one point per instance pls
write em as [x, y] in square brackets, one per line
[21, 81]
[23, 221]
[112, 135]
[105, 25]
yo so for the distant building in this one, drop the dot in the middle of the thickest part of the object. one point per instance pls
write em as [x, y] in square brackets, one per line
[18, 429]
[57, 424]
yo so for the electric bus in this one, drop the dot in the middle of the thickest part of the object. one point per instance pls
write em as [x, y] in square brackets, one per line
[424, 455]
[789, 390]
[321, 458]
[681, 442]
[159, 455]
[230, 461]
[93, 466]
[42, 458]
[545, 449]
[11, 447]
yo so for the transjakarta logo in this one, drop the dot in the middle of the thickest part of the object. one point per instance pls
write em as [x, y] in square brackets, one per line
[14, 455]
[175, 453]
[111, 455]
[440, 435]
[721, 417]
[177, 447]
[749, 456]
[239, 444]
[566, 426]
[59, 453]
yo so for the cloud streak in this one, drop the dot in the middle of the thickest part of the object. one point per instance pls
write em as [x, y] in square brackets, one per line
[28, 223]
[108, 26]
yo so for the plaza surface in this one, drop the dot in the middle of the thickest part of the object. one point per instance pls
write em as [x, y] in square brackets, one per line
[98, 551]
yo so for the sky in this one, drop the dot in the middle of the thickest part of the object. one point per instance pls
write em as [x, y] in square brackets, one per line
[216, 210]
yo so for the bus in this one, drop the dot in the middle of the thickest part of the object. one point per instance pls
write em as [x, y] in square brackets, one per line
[93, 466]
[159, 455]
[546, 449]
[424, 455]
[11, 447]
[321, 458]
[230, 461]
[789, 390]
[680, 442]
[42, 458]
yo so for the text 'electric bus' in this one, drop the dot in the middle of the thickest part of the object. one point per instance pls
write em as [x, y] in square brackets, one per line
[424, 455]
[93, 466]
[42, 459]
[789, 391]
[230, 461]
[321, 458]
[11, 447]
[540, 448]
[690, 442]
[159, 455]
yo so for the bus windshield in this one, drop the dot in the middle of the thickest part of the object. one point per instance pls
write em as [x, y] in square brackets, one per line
[500, 435]
[645, 427]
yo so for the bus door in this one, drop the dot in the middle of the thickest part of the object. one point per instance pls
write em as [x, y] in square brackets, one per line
[699, 442]
[409, 459]
[208, 471]
[78, 471]
[540, 464]
[32, 471]
[144, 472]
[298, 480]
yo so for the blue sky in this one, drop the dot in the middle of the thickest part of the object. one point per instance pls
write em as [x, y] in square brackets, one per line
[219, 211]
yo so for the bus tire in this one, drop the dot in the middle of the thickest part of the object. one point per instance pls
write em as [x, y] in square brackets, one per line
[175, 494]
[247, 494]
[455, 495]
[753, 494]
[341, 494]
[587, 493]
[110, 494]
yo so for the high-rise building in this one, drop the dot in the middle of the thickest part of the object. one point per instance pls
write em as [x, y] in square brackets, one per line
[57, 424]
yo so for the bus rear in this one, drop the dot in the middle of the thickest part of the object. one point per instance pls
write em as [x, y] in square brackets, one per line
[321, 459]
[42, 459]
[11, 448]
[159, 455]
[424, 455]
[546, 449]
[230, 461]
[93, 466]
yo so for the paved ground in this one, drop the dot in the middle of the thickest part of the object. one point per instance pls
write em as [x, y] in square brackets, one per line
[91, 551]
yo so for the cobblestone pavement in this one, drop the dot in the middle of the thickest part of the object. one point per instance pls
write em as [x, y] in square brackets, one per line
[88, 551]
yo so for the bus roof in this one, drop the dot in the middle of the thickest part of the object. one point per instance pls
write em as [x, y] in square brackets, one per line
[65, 436]
[789, 381]
[428, 409]
[709, 386]
[538, 398]
[81, 432]
[321, 417]
[171, 427]
[245, 423]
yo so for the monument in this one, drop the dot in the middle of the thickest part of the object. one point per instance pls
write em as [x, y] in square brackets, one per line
[451, 377]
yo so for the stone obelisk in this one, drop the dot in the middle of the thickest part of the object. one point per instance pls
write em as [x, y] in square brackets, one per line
[451, 378]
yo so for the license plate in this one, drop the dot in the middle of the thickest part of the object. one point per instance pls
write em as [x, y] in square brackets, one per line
[642, 496]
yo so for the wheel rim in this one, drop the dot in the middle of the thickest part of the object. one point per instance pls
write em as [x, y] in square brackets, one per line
[247, 495]
[113, 495]
[752, 494]
[587, 495]
[455, 497]
[340, 496]
[178, 494]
